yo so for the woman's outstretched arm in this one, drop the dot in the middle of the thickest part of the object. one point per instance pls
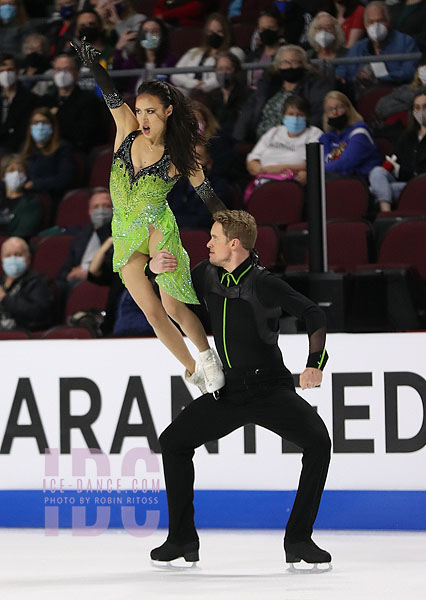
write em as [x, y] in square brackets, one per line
[205, 191]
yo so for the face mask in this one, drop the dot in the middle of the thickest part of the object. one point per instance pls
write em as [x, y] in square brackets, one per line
[214, 40]
[420, 116]
[421, 71]
[339, 122]
[14, 266]
[324, 38]
[377, 32]
[15, 180]
[7, 78]
[224, 80]
[294, 124]
[41, 132]
[292, 75]
[269, 37]
[284, 6]
[150, 41]
[67, 12]
[100, 216]
[63, 79]
[90, 33]
[7, 12]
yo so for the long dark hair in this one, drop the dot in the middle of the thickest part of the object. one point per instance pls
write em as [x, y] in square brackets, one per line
[412, 124]
[182, 131]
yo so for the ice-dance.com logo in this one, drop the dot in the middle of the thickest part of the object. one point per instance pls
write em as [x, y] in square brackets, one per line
[85, 503]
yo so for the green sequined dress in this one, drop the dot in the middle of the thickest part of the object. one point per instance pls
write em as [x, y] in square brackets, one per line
[140, 200]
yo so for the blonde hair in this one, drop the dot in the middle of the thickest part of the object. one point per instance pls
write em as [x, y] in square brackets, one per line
[338, 32]
[353, 115]
[238, 224]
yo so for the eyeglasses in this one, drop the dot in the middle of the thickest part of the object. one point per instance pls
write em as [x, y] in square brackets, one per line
[337, 108]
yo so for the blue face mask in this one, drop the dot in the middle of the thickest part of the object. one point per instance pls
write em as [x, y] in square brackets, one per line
[41, 132]
[14, 266]
[294, 124]
[7, 12]
[151, 41]
[67, 12]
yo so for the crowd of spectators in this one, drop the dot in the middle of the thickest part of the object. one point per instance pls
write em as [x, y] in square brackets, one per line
[54, 123]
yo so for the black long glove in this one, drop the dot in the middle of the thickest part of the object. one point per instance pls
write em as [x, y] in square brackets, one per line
[89, 56]
[208, 196]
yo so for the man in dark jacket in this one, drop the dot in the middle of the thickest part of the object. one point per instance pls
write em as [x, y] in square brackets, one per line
[244, 303]
[80, 113]
[88, 240]
[16, 106]
[26, 300]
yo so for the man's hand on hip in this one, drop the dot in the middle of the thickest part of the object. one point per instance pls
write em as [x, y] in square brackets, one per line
[162, 261]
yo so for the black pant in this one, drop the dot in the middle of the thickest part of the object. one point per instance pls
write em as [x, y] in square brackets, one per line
[266, 398]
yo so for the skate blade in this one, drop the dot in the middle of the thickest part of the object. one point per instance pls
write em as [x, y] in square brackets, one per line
[179, 564]
[309, 568]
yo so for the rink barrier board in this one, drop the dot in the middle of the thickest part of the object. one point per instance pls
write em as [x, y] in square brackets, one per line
[229, 509]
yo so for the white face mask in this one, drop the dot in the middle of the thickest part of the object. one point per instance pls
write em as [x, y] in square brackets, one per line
[377, 32]
[421, 71]
[63, 79]
[324, 38]
[420, 116]
[15, 180]
[7, 78]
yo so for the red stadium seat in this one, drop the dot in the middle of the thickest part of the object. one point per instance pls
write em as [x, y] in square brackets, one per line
[194, 241]
[267, 245]
[101, 169]
[412, 200]
[67, 333]
[242, 34]
[86, 295]
[346, 198]
[50, 254]
[14, 335]
[404, 246]
[73, 211]
[276, 203]
[366, 104]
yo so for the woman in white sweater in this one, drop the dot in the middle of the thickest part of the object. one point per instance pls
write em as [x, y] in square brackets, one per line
[282, 148]
[216, 39]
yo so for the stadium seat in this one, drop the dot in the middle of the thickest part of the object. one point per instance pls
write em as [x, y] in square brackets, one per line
[86, 295]
[346, 198]
[101, 168]
[73, 210]
[412, 200]
[194, 241]
[404, 246]
[15, 335]
[267, 245]
[276, 203]
[242, 33]
[50, 254]
[67, 333]
[366, 104]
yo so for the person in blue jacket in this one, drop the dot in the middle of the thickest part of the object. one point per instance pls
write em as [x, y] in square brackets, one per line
[381, 39]
[349, 148]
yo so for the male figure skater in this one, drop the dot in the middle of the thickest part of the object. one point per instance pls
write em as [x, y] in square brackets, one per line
[245, 302]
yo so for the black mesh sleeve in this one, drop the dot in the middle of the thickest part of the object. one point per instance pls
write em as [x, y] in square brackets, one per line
[208, 196]
[90, 57]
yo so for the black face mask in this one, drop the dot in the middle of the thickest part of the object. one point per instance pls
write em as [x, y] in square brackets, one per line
[339, 122]
[291, 75]
[269, 37]
[90, 33]
[215, 40]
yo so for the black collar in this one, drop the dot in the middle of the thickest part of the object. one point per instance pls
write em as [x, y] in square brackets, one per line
[233, 277]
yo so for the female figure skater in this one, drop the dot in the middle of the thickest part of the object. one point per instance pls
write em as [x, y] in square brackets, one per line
[152, 150]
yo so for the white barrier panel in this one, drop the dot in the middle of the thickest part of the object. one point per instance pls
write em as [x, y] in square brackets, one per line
[119, 395]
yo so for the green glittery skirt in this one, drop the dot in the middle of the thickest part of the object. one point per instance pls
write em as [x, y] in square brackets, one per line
[134, 236]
